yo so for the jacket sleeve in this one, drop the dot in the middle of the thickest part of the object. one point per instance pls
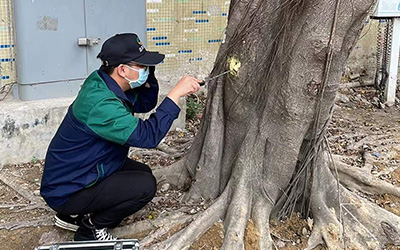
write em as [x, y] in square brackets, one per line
[110, 120]
[147, 95]
[150, 132]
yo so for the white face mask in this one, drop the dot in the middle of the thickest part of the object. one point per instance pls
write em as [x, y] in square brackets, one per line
[143, 74]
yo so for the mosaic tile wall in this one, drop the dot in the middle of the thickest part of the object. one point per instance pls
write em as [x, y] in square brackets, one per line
[186, 30]
[7, 49]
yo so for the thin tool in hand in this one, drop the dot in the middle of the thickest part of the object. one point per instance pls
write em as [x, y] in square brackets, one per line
[209, 79]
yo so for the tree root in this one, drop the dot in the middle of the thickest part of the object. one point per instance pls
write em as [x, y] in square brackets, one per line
[175, 174]
[35, 206]
[146, 152]
[167, 149]
[202, 222]
[366, 224]
[261, 211]
[42, 221]
[343, 220]
[154, 229]
[11, 206]
[361, 180]
[12, 183]
[236, 218]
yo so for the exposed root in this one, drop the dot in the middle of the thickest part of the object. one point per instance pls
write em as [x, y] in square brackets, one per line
[164, 232]
[167, 149]
[202, 222]
[13, 183]
[42, 221]
[392, 233]
[261, 211]
[327, 227]
[183, 140]
[237, 218]
[145, 152]
[361, 180]
[35, 206]
[366, 224]
[175, 174]
[344, 220]
[11, 206]
[153, 228]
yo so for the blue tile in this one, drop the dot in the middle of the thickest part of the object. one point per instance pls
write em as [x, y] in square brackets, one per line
[160, 38]
[199, 12]
[163, 44]
[202, 21]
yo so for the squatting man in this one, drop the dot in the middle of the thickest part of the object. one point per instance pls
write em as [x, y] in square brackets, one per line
[88, 178]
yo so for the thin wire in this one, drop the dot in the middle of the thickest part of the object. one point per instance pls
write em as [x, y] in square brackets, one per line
[317, 138]
[324, 83]
[355, 218]
[369, 28]
[338, 192]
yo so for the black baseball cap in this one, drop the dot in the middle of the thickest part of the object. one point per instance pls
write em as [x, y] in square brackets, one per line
[127, 47]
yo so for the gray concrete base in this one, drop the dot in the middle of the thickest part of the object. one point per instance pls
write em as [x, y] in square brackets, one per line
[27, 127]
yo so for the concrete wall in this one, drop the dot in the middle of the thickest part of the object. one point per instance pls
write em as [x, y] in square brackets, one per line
[362, 60]
[26, 128]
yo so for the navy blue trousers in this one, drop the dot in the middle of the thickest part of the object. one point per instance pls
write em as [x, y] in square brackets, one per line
[111, 200]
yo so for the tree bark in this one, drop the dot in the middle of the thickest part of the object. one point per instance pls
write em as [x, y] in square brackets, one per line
[282, 47]
[261, 143]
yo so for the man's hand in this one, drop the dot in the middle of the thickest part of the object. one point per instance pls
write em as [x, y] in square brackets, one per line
[187, 85]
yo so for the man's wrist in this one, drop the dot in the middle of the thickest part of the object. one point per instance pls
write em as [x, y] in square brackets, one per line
[174, 97]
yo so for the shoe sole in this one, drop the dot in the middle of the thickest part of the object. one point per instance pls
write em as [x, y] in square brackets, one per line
[65, 225]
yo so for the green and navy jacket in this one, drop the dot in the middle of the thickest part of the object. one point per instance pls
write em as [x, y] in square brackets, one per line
[93, 140]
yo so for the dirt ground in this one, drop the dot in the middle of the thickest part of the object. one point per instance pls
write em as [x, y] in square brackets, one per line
[358, 125]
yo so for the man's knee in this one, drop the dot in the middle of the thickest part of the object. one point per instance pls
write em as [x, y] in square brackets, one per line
[150, 187]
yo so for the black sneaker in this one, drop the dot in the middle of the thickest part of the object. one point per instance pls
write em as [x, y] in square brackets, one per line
[88, 232]
[68, 222]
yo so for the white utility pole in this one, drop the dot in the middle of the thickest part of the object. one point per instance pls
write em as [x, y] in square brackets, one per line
[390, 9]
[393, 67]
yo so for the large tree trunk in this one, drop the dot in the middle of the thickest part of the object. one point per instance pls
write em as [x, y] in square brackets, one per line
[260, 150]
